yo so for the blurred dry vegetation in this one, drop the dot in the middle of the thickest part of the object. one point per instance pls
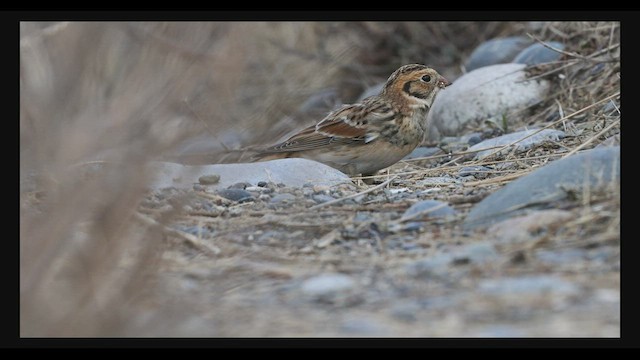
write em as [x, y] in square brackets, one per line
[127, 93]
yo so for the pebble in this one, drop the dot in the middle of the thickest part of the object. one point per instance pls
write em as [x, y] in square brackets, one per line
[425, 209]
[321, 198]
[539, 54]
[238, 195]
[321, 189]
[528, 286]
[363, 326]
[435, 265]
[478, 171]
[560, 256]
[209, 179]
[548, 184]
[437, 180]
[283, 198]
[528, 143]
[496, 51]
[405, 311]
[477, 253]
[485, 93]
[293, 172]
[526, 227]
[610, 107]
[326, 286]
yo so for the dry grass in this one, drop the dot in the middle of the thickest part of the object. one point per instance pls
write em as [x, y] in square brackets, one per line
[122, 94]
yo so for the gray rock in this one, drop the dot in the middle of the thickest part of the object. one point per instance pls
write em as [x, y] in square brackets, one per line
[520, 229]
[290, 172]
[477, 253]
[490, 92]
[209, 179]
[363, 326]
[496, 51]
[371, 91]
[321, 198]
[427, 208]
[238, 195]
[435, 265]
[477, 171]
[283, 198]
[437, 180]
[421, 151]
[526, 144]
[405, 311]
[499, 331]
[561, 256]
[326, 286]
[528, 285]
[538, 54]
[598, 168]
[610, 107]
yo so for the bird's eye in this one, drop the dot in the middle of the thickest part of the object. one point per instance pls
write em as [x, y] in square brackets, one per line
[426, 78]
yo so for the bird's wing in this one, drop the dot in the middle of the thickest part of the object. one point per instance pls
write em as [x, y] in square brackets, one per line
[358, 123]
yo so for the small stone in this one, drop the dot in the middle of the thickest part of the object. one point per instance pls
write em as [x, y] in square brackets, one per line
[363, 326]
[238, 195]
[538, 54]
[321, 189]
[474, 139]
[428, 208]
[479, 172]
[239, 185]
[526, 227]
[262, 183]
[435, 265]
[259, 189]
[528, 285]
[477, 253]
[561, 256]
[437, 180]
[321, 198]
[405, 311]
[283, 198]
[326, 286]
[525, 140]
[209, 179]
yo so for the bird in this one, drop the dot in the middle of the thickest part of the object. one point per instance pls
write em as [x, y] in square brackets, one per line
[365, 137]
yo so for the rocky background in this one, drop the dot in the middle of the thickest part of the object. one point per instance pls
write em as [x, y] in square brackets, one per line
[504, 223]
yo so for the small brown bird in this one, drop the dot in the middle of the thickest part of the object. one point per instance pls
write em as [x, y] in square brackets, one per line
[365, 137]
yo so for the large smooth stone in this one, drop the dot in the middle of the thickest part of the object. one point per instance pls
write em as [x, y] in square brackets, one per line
[539, 54]
[292, 172]
[488, 92]
[597, 168]
[496, 51]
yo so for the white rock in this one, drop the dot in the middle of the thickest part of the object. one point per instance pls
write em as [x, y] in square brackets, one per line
[292, 172]
[327, 285]
[490, 91]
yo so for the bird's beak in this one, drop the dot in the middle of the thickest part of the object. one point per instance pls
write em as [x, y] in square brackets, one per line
[443, 83]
